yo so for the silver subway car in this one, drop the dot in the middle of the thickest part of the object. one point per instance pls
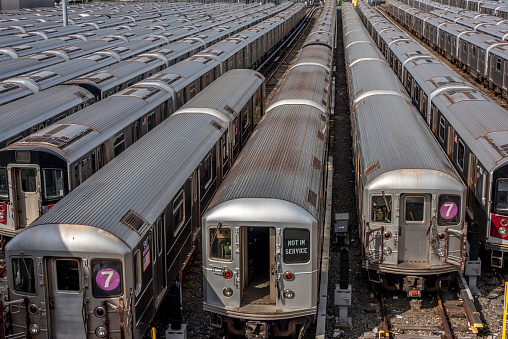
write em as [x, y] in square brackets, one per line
[262, 233]
[98, 264]
[411, 201]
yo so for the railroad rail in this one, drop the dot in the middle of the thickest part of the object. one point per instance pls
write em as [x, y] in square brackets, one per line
[448, 315]
[285, 53]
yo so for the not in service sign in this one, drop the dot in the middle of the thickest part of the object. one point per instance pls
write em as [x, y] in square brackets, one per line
[296, 246]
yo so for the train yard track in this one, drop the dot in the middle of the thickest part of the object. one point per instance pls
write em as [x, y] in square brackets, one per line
[443, 314]
[278, 63]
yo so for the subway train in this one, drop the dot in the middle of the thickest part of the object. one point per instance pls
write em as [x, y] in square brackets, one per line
[28, 115]
[411, 201]
[39, 170]
[481, 52]
[99, 263]
[469, 127]
[262, 233]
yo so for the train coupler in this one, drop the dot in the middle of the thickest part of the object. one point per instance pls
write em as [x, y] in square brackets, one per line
[413, 286]
[256, 329]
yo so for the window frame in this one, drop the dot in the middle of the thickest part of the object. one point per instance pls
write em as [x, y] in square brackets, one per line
[497, 194]
[405, 210]
[56, 275]
[212, 228]
[459, 207]
[461, 153]
[309, 254]
[371, 210]
[93, 278]
[181, 204]
[44, 183]
[442, 127]
[117, 143]
[11, 259]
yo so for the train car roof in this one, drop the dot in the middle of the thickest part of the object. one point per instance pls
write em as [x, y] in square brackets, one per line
[129, 193]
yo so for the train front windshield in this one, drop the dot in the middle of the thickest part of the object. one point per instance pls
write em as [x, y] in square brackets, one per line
[502, 195]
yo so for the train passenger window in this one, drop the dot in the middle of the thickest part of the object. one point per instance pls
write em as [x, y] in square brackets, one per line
[151, 121]
[465, 47]
[4, 184]
[67, 275]
[502, 195]
[178, 212]
[415, 208]
[245, 119]
[137, 272]
[484, 193]
[106, 278]
[23, 274]
[448, 210]
[192, 91]
[62, 116]
[28, 180]
[53, 180]
[442, 128]
[381, 208]
[119, 144]
[220, 243]
[207, 171]
[160, 235]
[474, 52]
[498, 64]
[461, 154]
[296, 243]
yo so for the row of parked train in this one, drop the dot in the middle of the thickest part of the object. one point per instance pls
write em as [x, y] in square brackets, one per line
[48, 22]
[57, 60]
[476, 46]
[496, 8]
[468, 126]
[67, 152]
[98, 264]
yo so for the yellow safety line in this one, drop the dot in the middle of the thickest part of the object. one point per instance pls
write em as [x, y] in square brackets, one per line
[505, 309]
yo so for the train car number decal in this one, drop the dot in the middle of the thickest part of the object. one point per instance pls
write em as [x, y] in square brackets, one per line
[107, 279]
[448, 210]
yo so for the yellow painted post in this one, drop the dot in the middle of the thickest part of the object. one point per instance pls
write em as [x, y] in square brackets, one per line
[154, 333]
[505, 309]
[354, 3]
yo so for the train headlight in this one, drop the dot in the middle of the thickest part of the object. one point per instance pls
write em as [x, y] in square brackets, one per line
[99, 311]
[388, 235]
[34, 329]
[2, 216]
[289, 276]
[440, 252]
[289, 294]
[502, 231]
[387, 251]
[227, 274]
[227, 291]
[101, 332]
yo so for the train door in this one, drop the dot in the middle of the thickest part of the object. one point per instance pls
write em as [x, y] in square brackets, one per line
[257, 265]
[65, 298]
[414, 223]
[159, 262]
[26, 188]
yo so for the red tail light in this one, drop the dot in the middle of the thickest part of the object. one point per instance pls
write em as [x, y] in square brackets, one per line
[50, 205]
[3, 213]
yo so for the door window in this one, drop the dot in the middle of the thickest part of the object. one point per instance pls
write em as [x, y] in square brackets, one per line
[67, 275]
[23, 274]
[28, 179]
[220, 243]
[53, 180]
[4, 185]
[415, 208]
[119, 144]
[106, 278]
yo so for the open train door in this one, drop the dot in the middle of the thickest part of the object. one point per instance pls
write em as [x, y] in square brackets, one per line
[26, 190]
